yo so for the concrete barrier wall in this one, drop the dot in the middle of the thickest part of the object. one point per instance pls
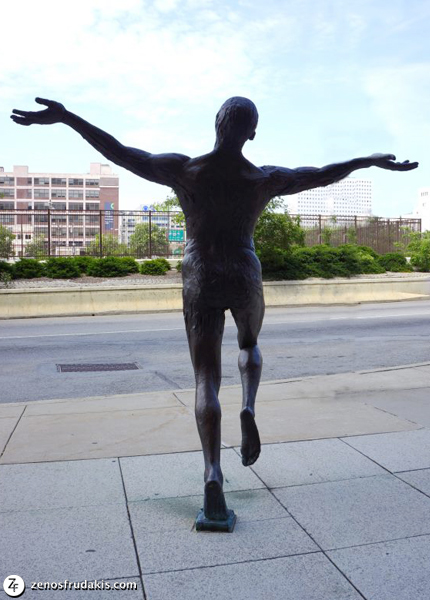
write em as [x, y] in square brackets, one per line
[98, 300]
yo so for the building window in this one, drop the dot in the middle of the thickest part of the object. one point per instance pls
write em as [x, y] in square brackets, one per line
[58, 193]
[77, 182]
[76, 206]
[92, 206]
[59, 205]
[8, 193]
[7, 180]
[92, 193]
[76, 194]
[6, 205]
[41, 181]
[92, 182]
[28, 236]
[41, 193]
[58, 181]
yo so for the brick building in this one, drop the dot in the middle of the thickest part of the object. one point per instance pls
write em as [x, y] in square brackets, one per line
[62, 194]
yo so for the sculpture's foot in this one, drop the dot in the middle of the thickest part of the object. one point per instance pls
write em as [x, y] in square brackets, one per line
[215, 507]
[251, 446]
[215, 515]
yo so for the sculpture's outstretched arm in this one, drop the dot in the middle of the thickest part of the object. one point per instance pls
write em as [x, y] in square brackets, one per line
[292, 181]
[160, 168]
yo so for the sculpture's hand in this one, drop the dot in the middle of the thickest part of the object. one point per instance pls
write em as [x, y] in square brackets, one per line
[386, 161]
[53, 114]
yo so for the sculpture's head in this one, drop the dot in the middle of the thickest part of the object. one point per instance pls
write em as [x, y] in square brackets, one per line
[236, 121]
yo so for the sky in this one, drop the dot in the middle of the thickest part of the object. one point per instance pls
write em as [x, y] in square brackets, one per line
[332, 80]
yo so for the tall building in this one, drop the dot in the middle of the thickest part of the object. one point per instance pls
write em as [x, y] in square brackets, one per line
[422, 208]
[80, 192]
[350, 196]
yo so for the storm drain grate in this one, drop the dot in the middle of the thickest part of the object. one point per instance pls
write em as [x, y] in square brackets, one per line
[99, 367]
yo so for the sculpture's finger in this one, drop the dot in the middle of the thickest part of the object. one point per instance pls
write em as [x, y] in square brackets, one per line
[391, 157]
[44, 101]
[20, 120]
[23, 113]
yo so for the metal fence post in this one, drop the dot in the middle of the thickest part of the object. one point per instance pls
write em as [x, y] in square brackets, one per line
[150, 234]
[101, 234]
[319, 230]
[49, 232]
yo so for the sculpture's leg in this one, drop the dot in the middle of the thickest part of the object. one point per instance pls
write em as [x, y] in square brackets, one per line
[250, 365]
[205, 337]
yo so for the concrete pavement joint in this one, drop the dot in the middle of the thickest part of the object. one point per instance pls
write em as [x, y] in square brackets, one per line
[12, 432]
[139, 566]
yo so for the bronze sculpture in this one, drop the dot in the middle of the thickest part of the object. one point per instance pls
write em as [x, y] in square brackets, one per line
[222, 195]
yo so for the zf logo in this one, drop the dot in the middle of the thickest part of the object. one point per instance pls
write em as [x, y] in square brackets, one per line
[14, 586]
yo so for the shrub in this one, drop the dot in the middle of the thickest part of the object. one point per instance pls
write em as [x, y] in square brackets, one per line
[153, 267]
[130, 264]
[395, 262]
[420, 258]
[318, 261]
[179, 266]
[6, 267]
[165, 262]
[111, 266]
[83, 262]
[28, 268]
[61, 268]
[6, 273]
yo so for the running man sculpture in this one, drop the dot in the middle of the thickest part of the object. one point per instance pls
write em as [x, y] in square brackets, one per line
[222, 195]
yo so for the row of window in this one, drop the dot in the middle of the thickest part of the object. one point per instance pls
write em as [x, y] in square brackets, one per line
[55, 206]
[55, 181]
[60, 193]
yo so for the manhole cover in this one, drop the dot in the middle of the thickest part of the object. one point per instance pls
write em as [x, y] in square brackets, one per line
[99, 367]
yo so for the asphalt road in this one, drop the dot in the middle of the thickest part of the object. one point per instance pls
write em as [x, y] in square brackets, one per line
[295, 342]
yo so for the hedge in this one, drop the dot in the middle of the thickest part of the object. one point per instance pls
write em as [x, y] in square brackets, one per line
[62, 268]
[319, 261]
[154, 267]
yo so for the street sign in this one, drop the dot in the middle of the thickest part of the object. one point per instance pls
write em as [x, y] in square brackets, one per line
[176, 235]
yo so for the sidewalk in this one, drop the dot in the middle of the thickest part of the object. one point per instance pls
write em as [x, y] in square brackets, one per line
[336, 508]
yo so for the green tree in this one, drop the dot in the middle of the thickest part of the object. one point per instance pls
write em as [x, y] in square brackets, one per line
[171, 204]
[277, 230]
[6, 239]
[37, 248]
[139, 240]
[111, 246]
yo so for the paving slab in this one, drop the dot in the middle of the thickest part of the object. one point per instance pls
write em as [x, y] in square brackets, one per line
[418, 479]
[397, 570]
[91, 542]
[402, 451]
[251, 540]
[7, 425]
[101, 435]
[413, 405]
[310, 577]
[309, 419]
[358, 511]
[60, 485]
[103, 404]
[176, 475]
[83, 594]
[11, 410]
[299, 463]
[180, 513]
[391, 379]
